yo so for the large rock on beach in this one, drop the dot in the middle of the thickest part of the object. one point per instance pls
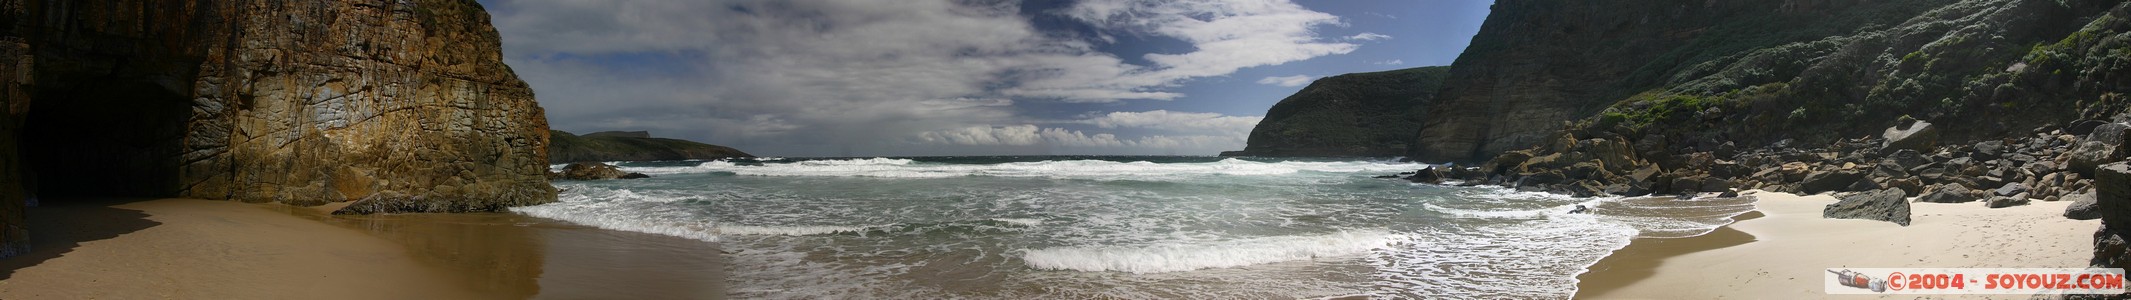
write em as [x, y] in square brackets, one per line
[1916, 135]
[2083, 207]
[1884, 205]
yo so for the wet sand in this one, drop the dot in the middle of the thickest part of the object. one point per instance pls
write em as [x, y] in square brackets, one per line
[1780, 250]
[202, 249]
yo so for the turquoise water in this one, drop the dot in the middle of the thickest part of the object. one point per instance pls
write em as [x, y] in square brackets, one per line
[1125, 227]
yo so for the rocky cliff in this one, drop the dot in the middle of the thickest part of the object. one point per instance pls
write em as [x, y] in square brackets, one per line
[630, 146]
[399, 106]
[1995, 101]
[1361, 114]
[1537, 63]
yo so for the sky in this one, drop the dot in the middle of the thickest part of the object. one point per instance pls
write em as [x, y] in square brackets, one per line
[956, 77]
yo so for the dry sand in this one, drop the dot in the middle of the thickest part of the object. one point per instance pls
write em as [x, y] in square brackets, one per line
[1780, 251]
[202, 249]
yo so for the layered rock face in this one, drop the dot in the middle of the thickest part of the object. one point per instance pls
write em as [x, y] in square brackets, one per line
[1538, 63]
[1362, 114]
[397, 105]
[630, 146]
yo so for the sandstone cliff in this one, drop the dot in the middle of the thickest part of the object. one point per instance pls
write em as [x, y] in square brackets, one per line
[630, 146]
[400, 106]
[1361, 114]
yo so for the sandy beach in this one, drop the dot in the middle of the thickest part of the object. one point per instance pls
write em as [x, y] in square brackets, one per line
[1780, 251]
[203, 249]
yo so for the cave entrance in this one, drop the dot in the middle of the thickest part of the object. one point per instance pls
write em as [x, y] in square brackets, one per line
[106, 138]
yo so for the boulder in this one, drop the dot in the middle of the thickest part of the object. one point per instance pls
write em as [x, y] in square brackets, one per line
[1828, 181]
[1906, 159]
[2082, 207]
[2082, 127]
[1795, 171]
[2006, 201]
[2110, 248]
[2010, 189]
[591, 171]
[1430, 175]
[2111, 133]
[1884, 205]
[1989, 150]
[1467, 174]
[2087, 154]
[1949, 193]
[635, 176]
[1916, 135]
[1714, 184]
[1540, 179]
[1910, 186]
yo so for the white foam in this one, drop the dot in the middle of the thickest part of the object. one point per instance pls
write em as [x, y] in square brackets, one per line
[617, 221]
[1074, 169]
[1555, 211]
[787, 230]
[1186, 257]
[1020, 221]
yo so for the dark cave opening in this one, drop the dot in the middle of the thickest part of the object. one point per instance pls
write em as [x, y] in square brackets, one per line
[117, 138]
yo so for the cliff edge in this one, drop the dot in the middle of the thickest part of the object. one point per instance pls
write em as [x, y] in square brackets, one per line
[398, 106]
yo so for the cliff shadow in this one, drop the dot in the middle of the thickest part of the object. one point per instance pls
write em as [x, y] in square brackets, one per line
[61, 226]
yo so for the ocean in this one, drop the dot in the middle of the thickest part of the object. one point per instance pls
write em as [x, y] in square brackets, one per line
[1120, 227]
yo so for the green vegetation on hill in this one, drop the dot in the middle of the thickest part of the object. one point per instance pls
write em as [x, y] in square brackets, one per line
[1999, 67]
[564, 147]
[1361, 114]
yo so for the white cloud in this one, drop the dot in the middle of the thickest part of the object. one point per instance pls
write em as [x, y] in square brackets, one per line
[1169, 131]
[1287, 81]
[1393, 62]
[1368, 36]
[1178, 122]
[1228, 35]
[806, 75]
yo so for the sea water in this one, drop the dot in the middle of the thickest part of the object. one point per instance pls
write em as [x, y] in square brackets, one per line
[1120, 227]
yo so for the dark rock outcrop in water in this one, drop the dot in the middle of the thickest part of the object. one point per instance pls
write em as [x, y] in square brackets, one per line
[1361, 114]
[1884, 205]
[395, 105]
[630, 146]
[596, 171]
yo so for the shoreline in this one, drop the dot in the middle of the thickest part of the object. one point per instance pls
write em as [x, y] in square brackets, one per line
[1780, 249]
[209, 249]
